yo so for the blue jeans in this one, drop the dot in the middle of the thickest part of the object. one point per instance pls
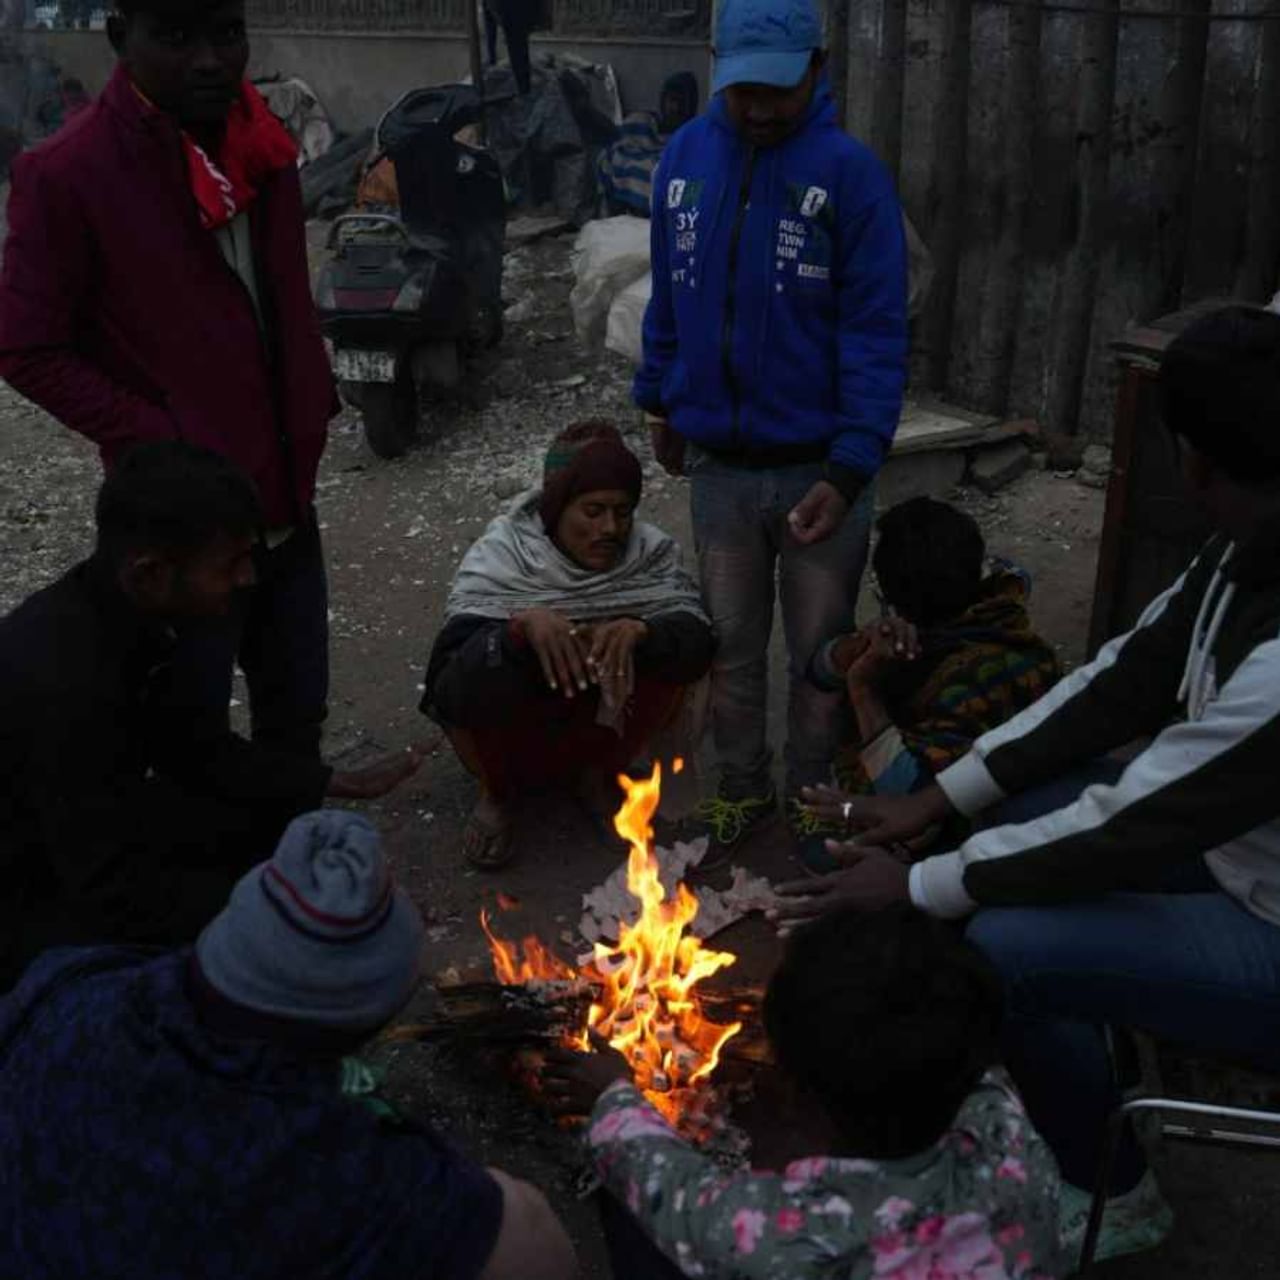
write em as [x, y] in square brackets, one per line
[279, 635]
[745, 555]
[1184, 962]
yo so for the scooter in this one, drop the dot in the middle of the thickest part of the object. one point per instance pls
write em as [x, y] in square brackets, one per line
[411, 293]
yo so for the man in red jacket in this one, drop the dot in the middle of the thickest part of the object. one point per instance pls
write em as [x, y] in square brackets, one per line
[155, 286]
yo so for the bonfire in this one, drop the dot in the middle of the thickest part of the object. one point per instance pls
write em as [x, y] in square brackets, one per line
[644, 999]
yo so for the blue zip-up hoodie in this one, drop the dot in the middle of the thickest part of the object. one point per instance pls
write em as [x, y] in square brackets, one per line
[798, 350]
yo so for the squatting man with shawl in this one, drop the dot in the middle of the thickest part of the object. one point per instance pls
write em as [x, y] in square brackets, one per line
[571, 633]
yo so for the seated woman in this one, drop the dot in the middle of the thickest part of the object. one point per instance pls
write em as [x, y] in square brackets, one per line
[571, 632]
[901, 1151]
[954, 656]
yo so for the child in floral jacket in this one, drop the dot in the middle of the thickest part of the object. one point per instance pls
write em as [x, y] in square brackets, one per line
[885, 1027]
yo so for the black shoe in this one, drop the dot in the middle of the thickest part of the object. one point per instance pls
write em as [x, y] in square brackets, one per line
[726, 823]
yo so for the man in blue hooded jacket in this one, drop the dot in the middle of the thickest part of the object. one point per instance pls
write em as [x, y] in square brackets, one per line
[774, 359]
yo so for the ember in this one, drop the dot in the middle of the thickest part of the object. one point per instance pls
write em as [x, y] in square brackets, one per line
[646, 1004]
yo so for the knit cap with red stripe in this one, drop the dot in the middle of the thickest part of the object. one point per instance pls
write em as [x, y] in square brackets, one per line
[320, 933]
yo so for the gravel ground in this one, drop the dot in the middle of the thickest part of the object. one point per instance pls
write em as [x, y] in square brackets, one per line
[394, 533]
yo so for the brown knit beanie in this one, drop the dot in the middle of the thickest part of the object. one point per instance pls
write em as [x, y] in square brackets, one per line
[585, 458]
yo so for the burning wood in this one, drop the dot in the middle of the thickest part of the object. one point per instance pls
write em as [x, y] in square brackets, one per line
[491, 1013]
[646, 1003]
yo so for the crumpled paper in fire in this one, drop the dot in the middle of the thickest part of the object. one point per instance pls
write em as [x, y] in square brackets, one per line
[611, 901]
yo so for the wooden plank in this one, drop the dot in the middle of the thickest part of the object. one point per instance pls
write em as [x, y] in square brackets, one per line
[1002, 97]
[1258, 273]
[1052, 221]
[1224, 161]
[924, 53]
[836, 33]
[950, 163]
[1159, 82]
[1102, 619]
[1068, 352]
[876, 61]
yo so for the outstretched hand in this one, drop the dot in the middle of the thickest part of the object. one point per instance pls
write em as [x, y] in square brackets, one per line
[880, 820]
[572, 1081]
[870, 880]
[831, 806]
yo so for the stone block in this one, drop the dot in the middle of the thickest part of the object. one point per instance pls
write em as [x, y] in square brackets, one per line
[992, 469]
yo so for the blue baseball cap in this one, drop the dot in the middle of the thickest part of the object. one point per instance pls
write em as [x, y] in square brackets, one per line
[764, 42]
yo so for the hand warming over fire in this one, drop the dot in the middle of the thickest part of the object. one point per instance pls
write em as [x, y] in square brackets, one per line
[873, 879]
[572, 1081]
[880, 820]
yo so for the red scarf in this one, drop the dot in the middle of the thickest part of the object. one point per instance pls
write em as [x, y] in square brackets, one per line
[254, 146]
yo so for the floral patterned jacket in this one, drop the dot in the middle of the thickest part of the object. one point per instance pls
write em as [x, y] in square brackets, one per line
[982, 1204]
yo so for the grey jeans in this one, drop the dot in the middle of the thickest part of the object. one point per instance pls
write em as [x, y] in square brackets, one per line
[746, 555]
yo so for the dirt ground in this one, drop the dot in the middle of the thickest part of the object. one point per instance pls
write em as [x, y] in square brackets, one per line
[394, 533]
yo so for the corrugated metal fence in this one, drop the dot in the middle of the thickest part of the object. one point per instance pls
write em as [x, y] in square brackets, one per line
[1072, 167]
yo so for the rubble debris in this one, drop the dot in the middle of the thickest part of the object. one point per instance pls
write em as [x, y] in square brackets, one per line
[527, 229]
[1095, 467]
[524, 308]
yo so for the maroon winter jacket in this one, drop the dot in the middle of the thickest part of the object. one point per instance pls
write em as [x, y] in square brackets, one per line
[120, 316]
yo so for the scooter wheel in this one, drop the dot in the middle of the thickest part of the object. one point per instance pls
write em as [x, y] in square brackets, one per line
[390, 413]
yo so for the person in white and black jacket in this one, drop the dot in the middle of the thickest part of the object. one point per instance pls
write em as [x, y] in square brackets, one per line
[1142, 896]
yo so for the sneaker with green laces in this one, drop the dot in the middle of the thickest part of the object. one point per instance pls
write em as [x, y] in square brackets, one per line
[726, 822]
[811, 835]
[1138, 1220]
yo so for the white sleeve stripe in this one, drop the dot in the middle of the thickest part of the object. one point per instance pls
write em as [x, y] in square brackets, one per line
[937, 887]
[1249, 700]
[1067, 688]
[969, 786]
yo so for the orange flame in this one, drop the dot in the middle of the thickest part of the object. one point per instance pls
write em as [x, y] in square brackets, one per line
[516, 963]
[647, 1007]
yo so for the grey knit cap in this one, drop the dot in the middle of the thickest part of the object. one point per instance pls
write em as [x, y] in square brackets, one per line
[319, 933]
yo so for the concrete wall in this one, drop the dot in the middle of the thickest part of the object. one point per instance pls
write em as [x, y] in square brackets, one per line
[358, 75]
[83, 54]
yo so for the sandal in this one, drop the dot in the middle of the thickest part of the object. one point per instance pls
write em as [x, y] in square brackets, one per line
[487, 838]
